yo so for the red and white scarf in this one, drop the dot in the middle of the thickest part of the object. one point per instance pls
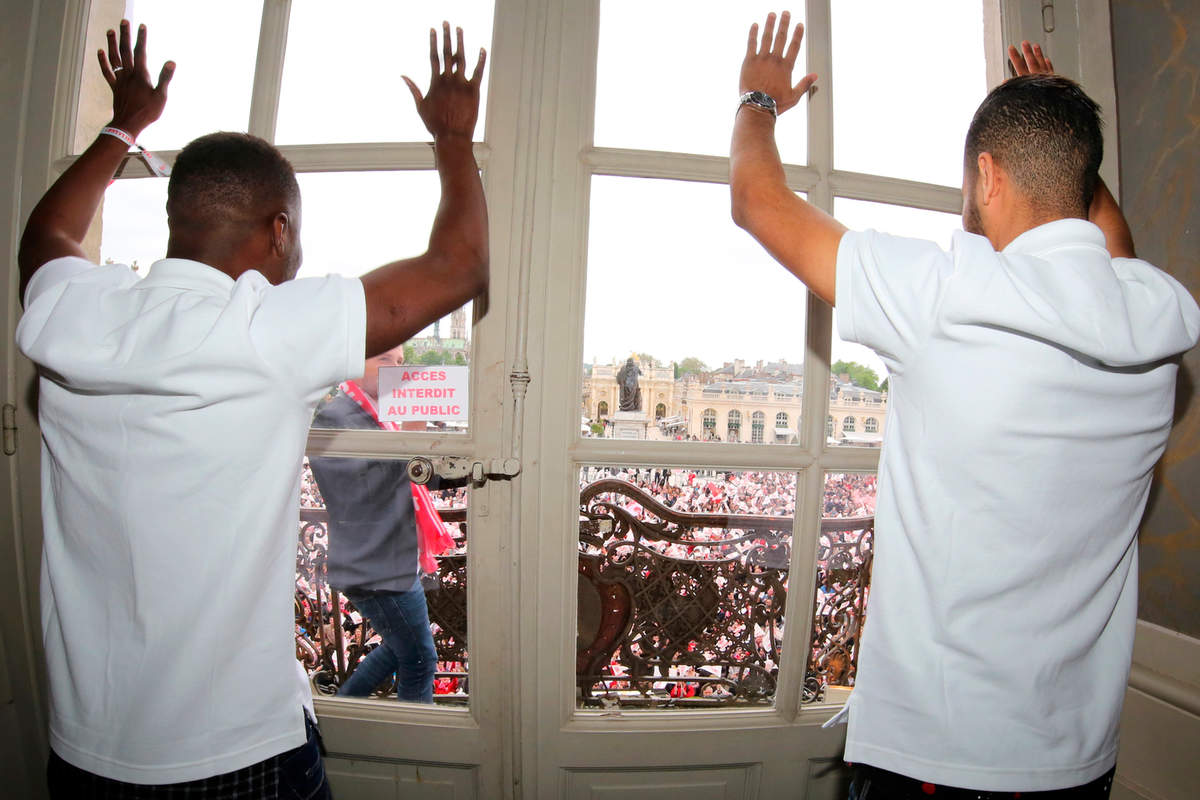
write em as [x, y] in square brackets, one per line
[432, 537]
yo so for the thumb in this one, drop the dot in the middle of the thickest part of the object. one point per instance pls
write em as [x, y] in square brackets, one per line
[412, 87]
[805, 84]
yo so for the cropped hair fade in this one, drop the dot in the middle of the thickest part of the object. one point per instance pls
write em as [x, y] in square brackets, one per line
[224, 177]
[1046, 133]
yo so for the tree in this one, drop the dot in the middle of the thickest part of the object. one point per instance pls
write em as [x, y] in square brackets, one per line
[690, 365]
[459, 360]
[431, 357]
[883, 386]
[646, 360]
[859, 375]
[410, 354]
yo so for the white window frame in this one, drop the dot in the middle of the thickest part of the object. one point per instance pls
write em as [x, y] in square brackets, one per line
[538, 121]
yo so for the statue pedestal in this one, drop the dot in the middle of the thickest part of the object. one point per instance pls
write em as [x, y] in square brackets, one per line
[629, 425]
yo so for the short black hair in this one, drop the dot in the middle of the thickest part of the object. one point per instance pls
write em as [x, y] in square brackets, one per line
[1046, 133]
[227, 177]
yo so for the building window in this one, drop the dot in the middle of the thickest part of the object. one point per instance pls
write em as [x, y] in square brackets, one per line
[660, 411]
[829, 426]
[781, 419]
[602, 409]
[848, 425]
[734, 426]
[710, 422]
[757, 423]
[871, 425]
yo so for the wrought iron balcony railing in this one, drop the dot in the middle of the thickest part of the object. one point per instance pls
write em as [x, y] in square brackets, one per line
[675, 608]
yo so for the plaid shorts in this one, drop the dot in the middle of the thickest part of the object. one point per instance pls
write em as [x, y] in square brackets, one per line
[297, 774]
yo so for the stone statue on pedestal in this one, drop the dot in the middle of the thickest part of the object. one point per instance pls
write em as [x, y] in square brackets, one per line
[627, 381]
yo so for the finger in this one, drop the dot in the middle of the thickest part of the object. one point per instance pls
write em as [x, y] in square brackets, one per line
[477, 76]
[126, 52]
[164, 76]
[1027, 51]
[460, 58]
[785, 20]
[1043, 63]
[139, 49]
[412, 87]
[447, 56]
[768, 34]
[114, 53]
[752, 44]
[105, 69]
[434, 66]
[1017, 60]
[794, 48]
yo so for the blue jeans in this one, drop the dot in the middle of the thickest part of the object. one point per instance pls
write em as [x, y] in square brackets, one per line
[407, 650]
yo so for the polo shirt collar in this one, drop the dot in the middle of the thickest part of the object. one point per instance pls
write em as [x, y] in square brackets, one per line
[1058, 233]
[183, 273]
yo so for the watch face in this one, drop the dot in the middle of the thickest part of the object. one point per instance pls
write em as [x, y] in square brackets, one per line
[763, 99]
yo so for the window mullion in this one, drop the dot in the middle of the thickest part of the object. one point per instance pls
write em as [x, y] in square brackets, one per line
[268, 69]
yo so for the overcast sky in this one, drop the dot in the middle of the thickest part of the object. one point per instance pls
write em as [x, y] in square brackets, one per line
[668, 272]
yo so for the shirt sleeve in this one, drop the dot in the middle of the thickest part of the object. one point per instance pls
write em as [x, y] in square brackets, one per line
[53, 273]
[314, 331]
[888, 288]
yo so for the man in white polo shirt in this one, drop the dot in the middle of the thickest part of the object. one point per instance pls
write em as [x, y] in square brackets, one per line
[174, 413]
[1032, 372]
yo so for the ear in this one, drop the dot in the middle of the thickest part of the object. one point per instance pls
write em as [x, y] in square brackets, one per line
[990, 181]
[281, 227]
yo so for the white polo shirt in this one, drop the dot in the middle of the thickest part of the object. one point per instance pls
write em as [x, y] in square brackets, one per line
[1030, 397]
[174, 413]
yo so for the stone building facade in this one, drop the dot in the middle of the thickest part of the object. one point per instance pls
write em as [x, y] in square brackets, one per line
[759, 403]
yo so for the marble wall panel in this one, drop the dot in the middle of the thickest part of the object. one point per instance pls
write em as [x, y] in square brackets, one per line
[1156, 50]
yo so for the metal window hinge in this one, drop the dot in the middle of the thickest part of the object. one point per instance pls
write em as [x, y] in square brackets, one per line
[1048, 16]
[421, 469]
[10, 429]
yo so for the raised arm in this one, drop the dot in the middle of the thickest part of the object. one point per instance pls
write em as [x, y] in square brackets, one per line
[1104, 211]
[799, 235]
[61, 218]
[405, 296]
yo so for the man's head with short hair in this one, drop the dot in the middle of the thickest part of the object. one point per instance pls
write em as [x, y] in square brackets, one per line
[1043, 131]
[231, 195]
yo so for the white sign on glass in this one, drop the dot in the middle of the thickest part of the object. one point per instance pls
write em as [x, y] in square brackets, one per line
[432, 394]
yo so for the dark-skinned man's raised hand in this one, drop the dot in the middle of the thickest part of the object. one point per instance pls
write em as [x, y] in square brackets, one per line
[136, 101]
[451, 106]
[59, 222]
[405, 296]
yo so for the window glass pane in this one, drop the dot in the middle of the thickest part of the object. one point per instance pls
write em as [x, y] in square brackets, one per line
[207, 94]
[353, 222]
[692, 112]
[134, 223]
[338, 92]
[683, 578]
[857, 392]
[347, 512]
[713, 325]
[843, 581]
[887, 121]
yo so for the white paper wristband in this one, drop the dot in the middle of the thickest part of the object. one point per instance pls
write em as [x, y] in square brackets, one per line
[118, 133]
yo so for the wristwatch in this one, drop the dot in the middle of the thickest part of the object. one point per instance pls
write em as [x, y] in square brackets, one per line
[760, 100]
